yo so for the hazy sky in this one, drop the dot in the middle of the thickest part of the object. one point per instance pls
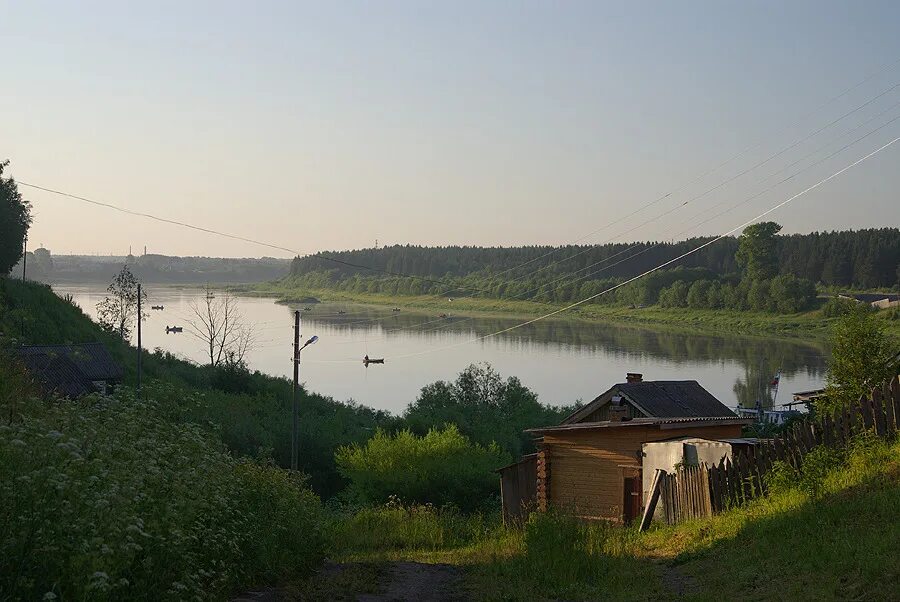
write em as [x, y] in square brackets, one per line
[330, 124]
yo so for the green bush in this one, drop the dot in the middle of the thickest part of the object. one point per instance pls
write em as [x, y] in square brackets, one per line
[105, 499]
[485, 407]
[443, 467]
[836, 307]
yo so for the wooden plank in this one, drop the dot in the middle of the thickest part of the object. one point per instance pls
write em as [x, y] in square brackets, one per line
[827, 428]
[650, 508]
[890, 424]
[716, 476]
[895, 401]
[865, 410]
[877, 404]
[763, 468]
[844, 419]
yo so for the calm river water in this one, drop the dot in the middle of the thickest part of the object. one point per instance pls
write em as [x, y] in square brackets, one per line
[561, 360]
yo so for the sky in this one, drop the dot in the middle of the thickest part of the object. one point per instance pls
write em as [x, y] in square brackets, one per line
[330, 125]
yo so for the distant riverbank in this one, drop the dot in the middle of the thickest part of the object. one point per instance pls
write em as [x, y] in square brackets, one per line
[806, 325]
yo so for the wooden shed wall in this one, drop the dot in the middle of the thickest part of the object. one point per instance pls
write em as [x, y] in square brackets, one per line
[518, 489]
[587, 468]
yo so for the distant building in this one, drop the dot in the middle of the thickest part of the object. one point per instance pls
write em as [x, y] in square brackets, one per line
[71, 370]
[876, 300]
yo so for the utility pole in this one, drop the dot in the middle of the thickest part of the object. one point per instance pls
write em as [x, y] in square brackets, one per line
[295, 425]
[139, 342]
[24, 256]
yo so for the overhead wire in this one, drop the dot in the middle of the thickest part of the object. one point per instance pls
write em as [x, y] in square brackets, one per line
[662, 265]
[476, 289]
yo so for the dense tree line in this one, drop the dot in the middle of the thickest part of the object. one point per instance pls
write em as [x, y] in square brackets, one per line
[858, 259]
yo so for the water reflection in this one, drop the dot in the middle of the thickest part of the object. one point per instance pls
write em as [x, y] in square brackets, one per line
[759, 358]
[561, 360]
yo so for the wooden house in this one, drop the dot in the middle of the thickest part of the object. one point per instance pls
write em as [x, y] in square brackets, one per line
[591, 464]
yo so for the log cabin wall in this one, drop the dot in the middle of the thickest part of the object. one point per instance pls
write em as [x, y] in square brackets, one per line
[584, 471]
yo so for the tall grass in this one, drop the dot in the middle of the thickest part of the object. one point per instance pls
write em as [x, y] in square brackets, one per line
[384, 531]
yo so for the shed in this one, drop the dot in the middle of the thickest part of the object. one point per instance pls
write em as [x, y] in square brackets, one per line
[687, 451]
[71, 370]
[594, 469]
[518, 489]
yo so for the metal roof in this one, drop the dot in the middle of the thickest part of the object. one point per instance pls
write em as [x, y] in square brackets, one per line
[661, 399]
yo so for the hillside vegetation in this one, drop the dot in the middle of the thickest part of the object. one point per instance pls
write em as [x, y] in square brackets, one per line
[828, 532]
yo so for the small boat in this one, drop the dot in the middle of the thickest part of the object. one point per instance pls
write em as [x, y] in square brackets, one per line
[159, 307]
[174, 329]
[396, 309]
[341, 312]
[307, 308]
[367, 361]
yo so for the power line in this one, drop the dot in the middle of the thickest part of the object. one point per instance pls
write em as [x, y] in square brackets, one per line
[479, 290]
[662, 265]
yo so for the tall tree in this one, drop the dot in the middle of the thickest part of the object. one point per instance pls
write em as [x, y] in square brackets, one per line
[861, 357]
[15, 219]
[757, 250]
[117, 312]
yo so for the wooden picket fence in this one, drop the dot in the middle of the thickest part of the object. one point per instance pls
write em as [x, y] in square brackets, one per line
[701, 491]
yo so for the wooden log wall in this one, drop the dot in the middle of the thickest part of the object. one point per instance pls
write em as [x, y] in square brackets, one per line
[696, 492]
[543, 480]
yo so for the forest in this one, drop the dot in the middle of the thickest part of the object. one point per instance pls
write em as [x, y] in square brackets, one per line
[760, 270]
[859, 259]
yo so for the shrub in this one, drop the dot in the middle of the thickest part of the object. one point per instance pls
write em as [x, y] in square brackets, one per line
[443, 467]
[836, 307]
[106, 499]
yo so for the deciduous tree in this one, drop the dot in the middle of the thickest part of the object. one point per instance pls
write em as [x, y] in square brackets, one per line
[117, 312]
[218, 322]
[15, 219]
[757, 250]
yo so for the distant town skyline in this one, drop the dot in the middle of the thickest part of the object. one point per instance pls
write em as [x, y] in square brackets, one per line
[325, 127]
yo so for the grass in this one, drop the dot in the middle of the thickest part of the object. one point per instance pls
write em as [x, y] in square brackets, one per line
[834, 541]
[809, 324]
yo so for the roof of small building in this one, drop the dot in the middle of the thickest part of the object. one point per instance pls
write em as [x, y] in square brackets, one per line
[663, 423]
[661, 399]
[871, 297]
[70, 369]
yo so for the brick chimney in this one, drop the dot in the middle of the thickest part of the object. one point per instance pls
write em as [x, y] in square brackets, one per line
[634, 377]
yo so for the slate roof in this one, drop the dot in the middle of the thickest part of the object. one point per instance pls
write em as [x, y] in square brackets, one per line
[662, 399]
[70, 369]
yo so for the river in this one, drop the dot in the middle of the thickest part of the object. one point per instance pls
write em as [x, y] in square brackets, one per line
[561, 360]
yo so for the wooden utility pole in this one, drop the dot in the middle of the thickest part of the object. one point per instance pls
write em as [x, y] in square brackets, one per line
[139, 341]
[295, 424]
[24, 256]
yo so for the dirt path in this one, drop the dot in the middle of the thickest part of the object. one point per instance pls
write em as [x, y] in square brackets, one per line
[416, 581]
[370, 582]
[676, 582]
